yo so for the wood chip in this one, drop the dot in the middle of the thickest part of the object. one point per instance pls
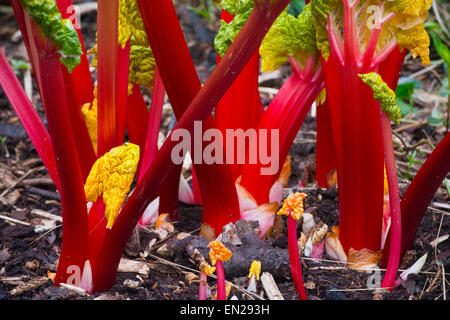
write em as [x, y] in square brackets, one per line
[44, 226]
[131, 284]
[271, 287]
[439, 240]
[441, 205]
[310, 285]
[3, 217]
[11, 198]
[132, 266]
[32, 284]
[43, 214]
[79, 291]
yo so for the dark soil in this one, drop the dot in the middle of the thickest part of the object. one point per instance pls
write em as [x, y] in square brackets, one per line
[28, 257]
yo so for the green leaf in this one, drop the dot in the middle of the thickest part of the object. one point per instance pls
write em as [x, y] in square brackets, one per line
[434, 122]
[440, 47]
[241, 9]
[435, 118]
[405, 108]
[60, 31]
[405, 90]
[202, 13]
[19, 65]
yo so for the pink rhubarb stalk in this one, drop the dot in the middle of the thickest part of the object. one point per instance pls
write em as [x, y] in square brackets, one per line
[286, 113]
[294, 259]
[394, 202]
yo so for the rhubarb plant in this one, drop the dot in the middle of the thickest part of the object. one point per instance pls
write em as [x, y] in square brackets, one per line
[290, 39]
[360, 37]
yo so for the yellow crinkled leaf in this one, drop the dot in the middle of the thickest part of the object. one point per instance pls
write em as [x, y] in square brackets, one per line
[416, 40]
[408, 7]
[131, 28]
[111, 176]
[142, 64]
[89, 111]
[289, 36]
[131, 23]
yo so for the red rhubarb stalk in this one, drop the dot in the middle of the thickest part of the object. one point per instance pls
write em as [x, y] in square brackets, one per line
[107, 74]
[123, 77]
[420, 193]
[28, 117]
[73, 202]
[325, 146]
[137, 121]
[81, 75]
[53, 93]
[221, 288]
[422, 189]
[154, 124]
[74, 84]
[286, 113]
[243, 99]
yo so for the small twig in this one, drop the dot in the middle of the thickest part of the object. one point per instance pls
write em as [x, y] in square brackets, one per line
[437, 237]
[427, 69]
[433, 282]
[44, 234]
[439, 211]
[441, 205]
[410, 126]
[361, 289]
[43, 214]
[423, 289]
[268, 90]
[79, 291]
[51, 195]
[21, 179]
[37, 182]
[439, 19]
[14, 220]
[444, 291]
